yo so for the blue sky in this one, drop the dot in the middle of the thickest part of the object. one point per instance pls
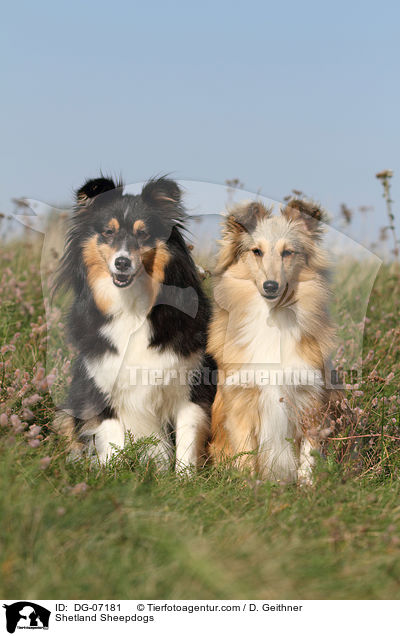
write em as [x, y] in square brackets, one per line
[283, 95]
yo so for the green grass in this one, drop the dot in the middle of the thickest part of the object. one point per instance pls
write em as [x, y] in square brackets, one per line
[133, 533]
[71, 531]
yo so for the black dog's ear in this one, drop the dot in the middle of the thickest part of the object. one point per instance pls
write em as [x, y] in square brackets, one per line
[161, 191]
[93, 188]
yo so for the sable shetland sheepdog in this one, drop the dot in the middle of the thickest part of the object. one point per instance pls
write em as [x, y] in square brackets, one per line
[138, 310]
[271, 337]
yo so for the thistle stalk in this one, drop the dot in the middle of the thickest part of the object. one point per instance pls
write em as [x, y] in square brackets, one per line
[385, 177]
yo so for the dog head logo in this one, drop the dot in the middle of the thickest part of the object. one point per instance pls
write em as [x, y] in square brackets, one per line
[26, 615]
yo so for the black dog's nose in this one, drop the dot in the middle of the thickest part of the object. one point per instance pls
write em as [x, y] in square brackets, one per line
[270, 287]
[122, 263]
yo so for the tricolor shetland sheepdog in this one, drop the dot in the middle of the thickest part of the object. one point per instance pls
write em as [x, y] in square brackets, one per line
[271, 337]
[138, 321]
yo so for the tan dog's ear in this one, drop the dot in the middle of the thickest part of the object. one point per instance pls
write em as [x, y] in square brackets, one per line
[241, 221]
[92, 189]
[233, 226]
[308, 213]
[249, 213]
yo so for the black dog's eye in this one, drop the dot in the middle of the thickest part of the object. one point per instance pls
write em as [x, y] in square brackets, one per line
[287, 253]
[257, 251]
[108, 232]
[141, 235]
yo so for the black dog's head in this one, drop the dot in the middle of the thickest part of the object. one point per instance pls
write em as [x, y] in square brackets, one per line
[115, 236]
[120, 234]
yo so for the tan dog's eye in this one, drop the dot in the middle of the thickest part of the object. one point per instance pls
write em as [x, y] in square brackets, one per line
[287, 253]
[108, 232]
[257, 251]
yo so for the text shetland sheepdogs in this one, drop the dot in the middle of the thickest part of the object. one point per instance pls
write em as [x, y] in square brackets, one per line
[271, 318]
[138, 307]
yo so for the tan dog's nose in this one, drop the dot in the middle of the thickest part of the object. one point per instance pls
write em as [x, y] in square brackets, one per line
[270, 287]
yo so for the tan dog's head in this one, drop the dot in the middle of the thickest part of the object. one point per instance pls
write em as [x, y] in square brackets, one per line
[276, 252]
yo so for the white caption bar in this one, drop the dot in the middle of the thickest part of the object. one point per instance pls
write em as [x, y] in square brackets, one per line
[183, 617]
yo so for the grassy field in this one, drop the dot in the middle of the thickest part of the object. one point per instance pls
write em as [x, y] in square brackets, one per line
[68, 531]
